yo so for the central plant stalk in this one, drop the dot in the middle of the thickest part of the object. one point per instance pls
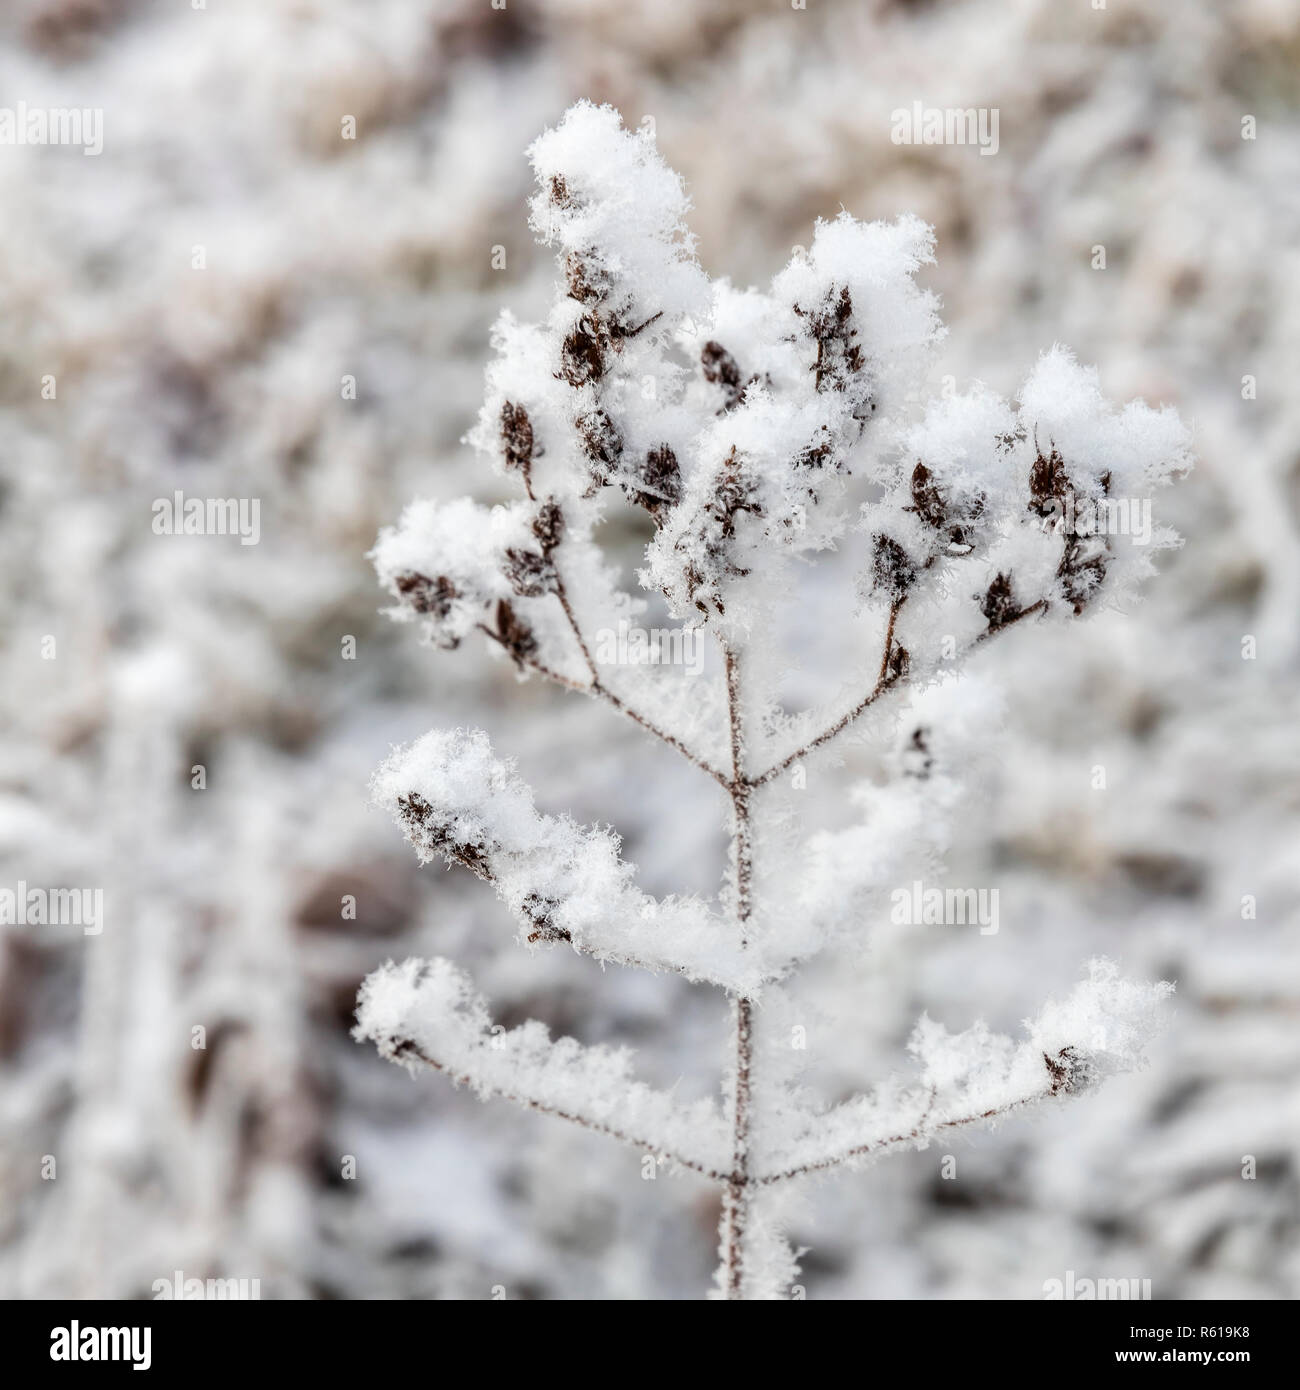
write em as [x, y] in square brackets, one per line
[737, 1195]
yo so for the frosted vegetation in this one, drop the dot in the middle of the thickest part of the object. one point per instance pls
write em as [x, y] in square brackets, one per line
[759, 434]
[379, 259]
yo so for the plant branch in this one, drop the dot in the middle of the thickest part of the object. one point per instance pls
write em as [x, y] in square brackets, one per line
[892, 1141]
[408, 1050]
[563, 595]
[598, 690]
[1039, 607]
[885, 681]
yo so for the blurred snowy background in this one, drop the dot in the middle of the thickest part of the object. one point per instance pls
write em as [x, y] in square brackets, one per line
[374, 258]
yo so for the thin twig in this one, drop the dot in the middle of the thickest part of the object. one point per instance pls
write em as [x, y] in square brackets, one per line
[600, 691]
[606, 694]
[1039, 607]
[563, 595]
[884, 683]
[858, 1151]
[408, 1048]
[641, 328]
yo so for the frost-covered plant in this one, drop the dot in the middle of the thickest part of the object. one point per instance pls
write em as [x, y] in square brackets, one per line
[757, 432]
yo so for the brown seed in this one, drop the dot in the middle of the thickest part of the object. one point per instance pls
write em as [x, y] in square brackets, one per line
[839, 356]
[1048, 482]
[585, 279]
[548, 525]
[999, 604]
[927, 499]
[425, 595]
[583, 352]
[600, 437]
[517, 437]
[1068, 1072]
[892, 569]
[721, 369]
[514, 634]
[539, 911]
[530, 575]
[659, 484]
[900, 662]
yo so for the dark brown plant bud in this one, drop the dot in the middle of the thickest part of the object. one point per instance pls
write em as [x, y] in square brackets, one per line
[659, 484]
[425, 830]
[721, 369]
[583, 352]
[514, 634]
[586, 279]
[538, 910]
[999, 604]
[900, 662]
[1068, 1072]
[892, 569]
[713, 531]
[938, 510]
[831, 327]
[736, 493]
[517, 437]
[600, 437]
[1009, 441]
[927, 499]
[530, 575]
[1048, 482]
[817, 455]
[548, 525]
[560, 195]
[414, 810]
[1082, 570]
[425, 595]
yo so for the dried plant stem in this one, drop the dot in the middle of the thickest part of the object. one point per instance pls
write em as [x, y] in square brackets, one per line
[601, 691]
[1039, 607]
[874, 1146]
[743, 1179]
[596, 688]
[563, 595]
[407, 1050]
[737, 1195]
[884, 681]
[741, 1183]
[951, 485]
